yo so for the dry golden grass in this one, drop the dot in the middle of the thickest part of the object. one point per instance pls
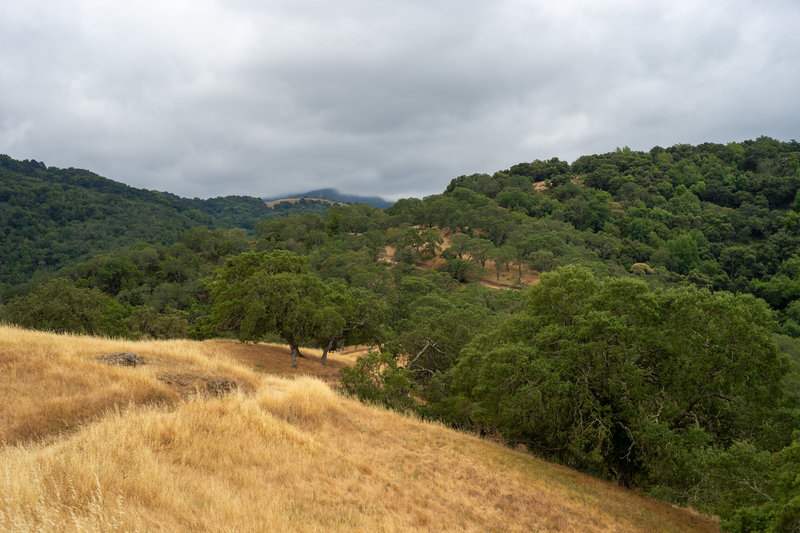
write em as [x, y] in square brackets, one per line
[52, 383]
[507, 279]
[276, 455]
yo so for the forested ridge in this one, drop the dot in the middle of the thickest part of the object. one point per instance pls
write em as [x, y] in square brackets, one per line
[51, 217]
[660, 347]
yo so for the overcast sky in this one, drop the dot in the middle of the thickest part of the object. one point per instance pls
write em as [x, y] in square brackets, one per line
[264, 97]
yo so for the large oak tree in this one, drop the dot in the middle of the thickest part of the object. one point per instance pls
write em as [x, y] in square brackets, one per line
[261, 293]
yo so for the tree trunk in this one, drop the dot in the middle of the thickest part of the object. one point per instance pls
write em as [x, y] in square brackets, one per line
[625, 475]
[295, 353]
[325, 351]
[623, 453]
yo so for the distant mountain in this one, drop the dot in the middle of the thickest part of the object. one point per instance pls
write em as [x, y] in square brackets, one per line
[333, 194]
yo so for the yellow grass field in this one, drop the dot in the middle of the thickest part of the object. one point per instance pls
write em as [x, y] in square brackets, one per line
[165, 447]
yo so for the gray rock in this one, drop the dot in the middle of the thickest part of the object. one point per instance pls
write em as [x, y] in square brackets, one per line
[122, 359]
[219, 386]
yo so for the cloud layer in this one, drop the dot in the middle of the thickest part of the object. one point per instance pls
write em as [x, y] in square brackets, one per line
[207, 98]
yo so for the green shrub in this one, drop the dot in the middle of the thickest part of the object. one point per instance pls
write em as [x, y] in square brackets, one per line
[376, 378]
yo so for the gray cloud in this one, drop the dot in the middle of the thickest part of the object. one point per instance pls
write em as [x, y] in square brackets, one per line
[209, 98]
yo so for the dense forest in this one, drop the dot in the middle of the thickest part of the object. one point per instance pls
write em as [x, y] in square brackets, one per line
[51, 218]
[659, 348]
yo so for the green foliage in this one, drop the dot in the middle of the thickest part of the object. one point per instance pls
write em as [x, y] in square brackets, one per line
[256, 293]
[433, 332]
[459, 245]
[778, 507]
[376, 378]
[414, 245]
[503, 257]
[462, 270]
[262, 293]
[302, 206]
[622, 381]
[169, 324]
[51, 218]
[349, 316]
[61, 307]
[236, 211]
[479, 183]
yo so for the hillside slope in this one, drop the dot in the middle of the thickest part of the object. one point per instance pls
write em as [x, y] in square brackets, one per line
[254, 452]
[51, 217]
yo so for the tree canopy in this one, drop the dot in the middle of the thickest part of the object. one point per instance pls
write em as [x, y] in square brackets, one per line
[257, 293]
[623, 381]
[260, 293]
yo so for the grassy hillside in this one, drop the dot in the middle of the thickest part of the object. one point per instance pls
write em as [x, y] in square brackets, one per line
[195, 441]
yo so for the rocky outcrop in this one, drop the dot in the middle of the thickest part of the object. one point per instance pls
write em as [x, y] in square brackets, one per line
[122, 359]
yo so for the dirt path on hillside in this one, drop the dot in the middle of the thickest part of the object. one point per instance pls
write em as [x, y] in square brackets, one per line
[276, 359]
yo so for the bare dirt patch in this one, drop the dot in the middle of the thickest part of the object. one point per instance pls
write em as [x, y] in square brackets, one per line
[508, 279]
[276, 359]
[187, 384]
